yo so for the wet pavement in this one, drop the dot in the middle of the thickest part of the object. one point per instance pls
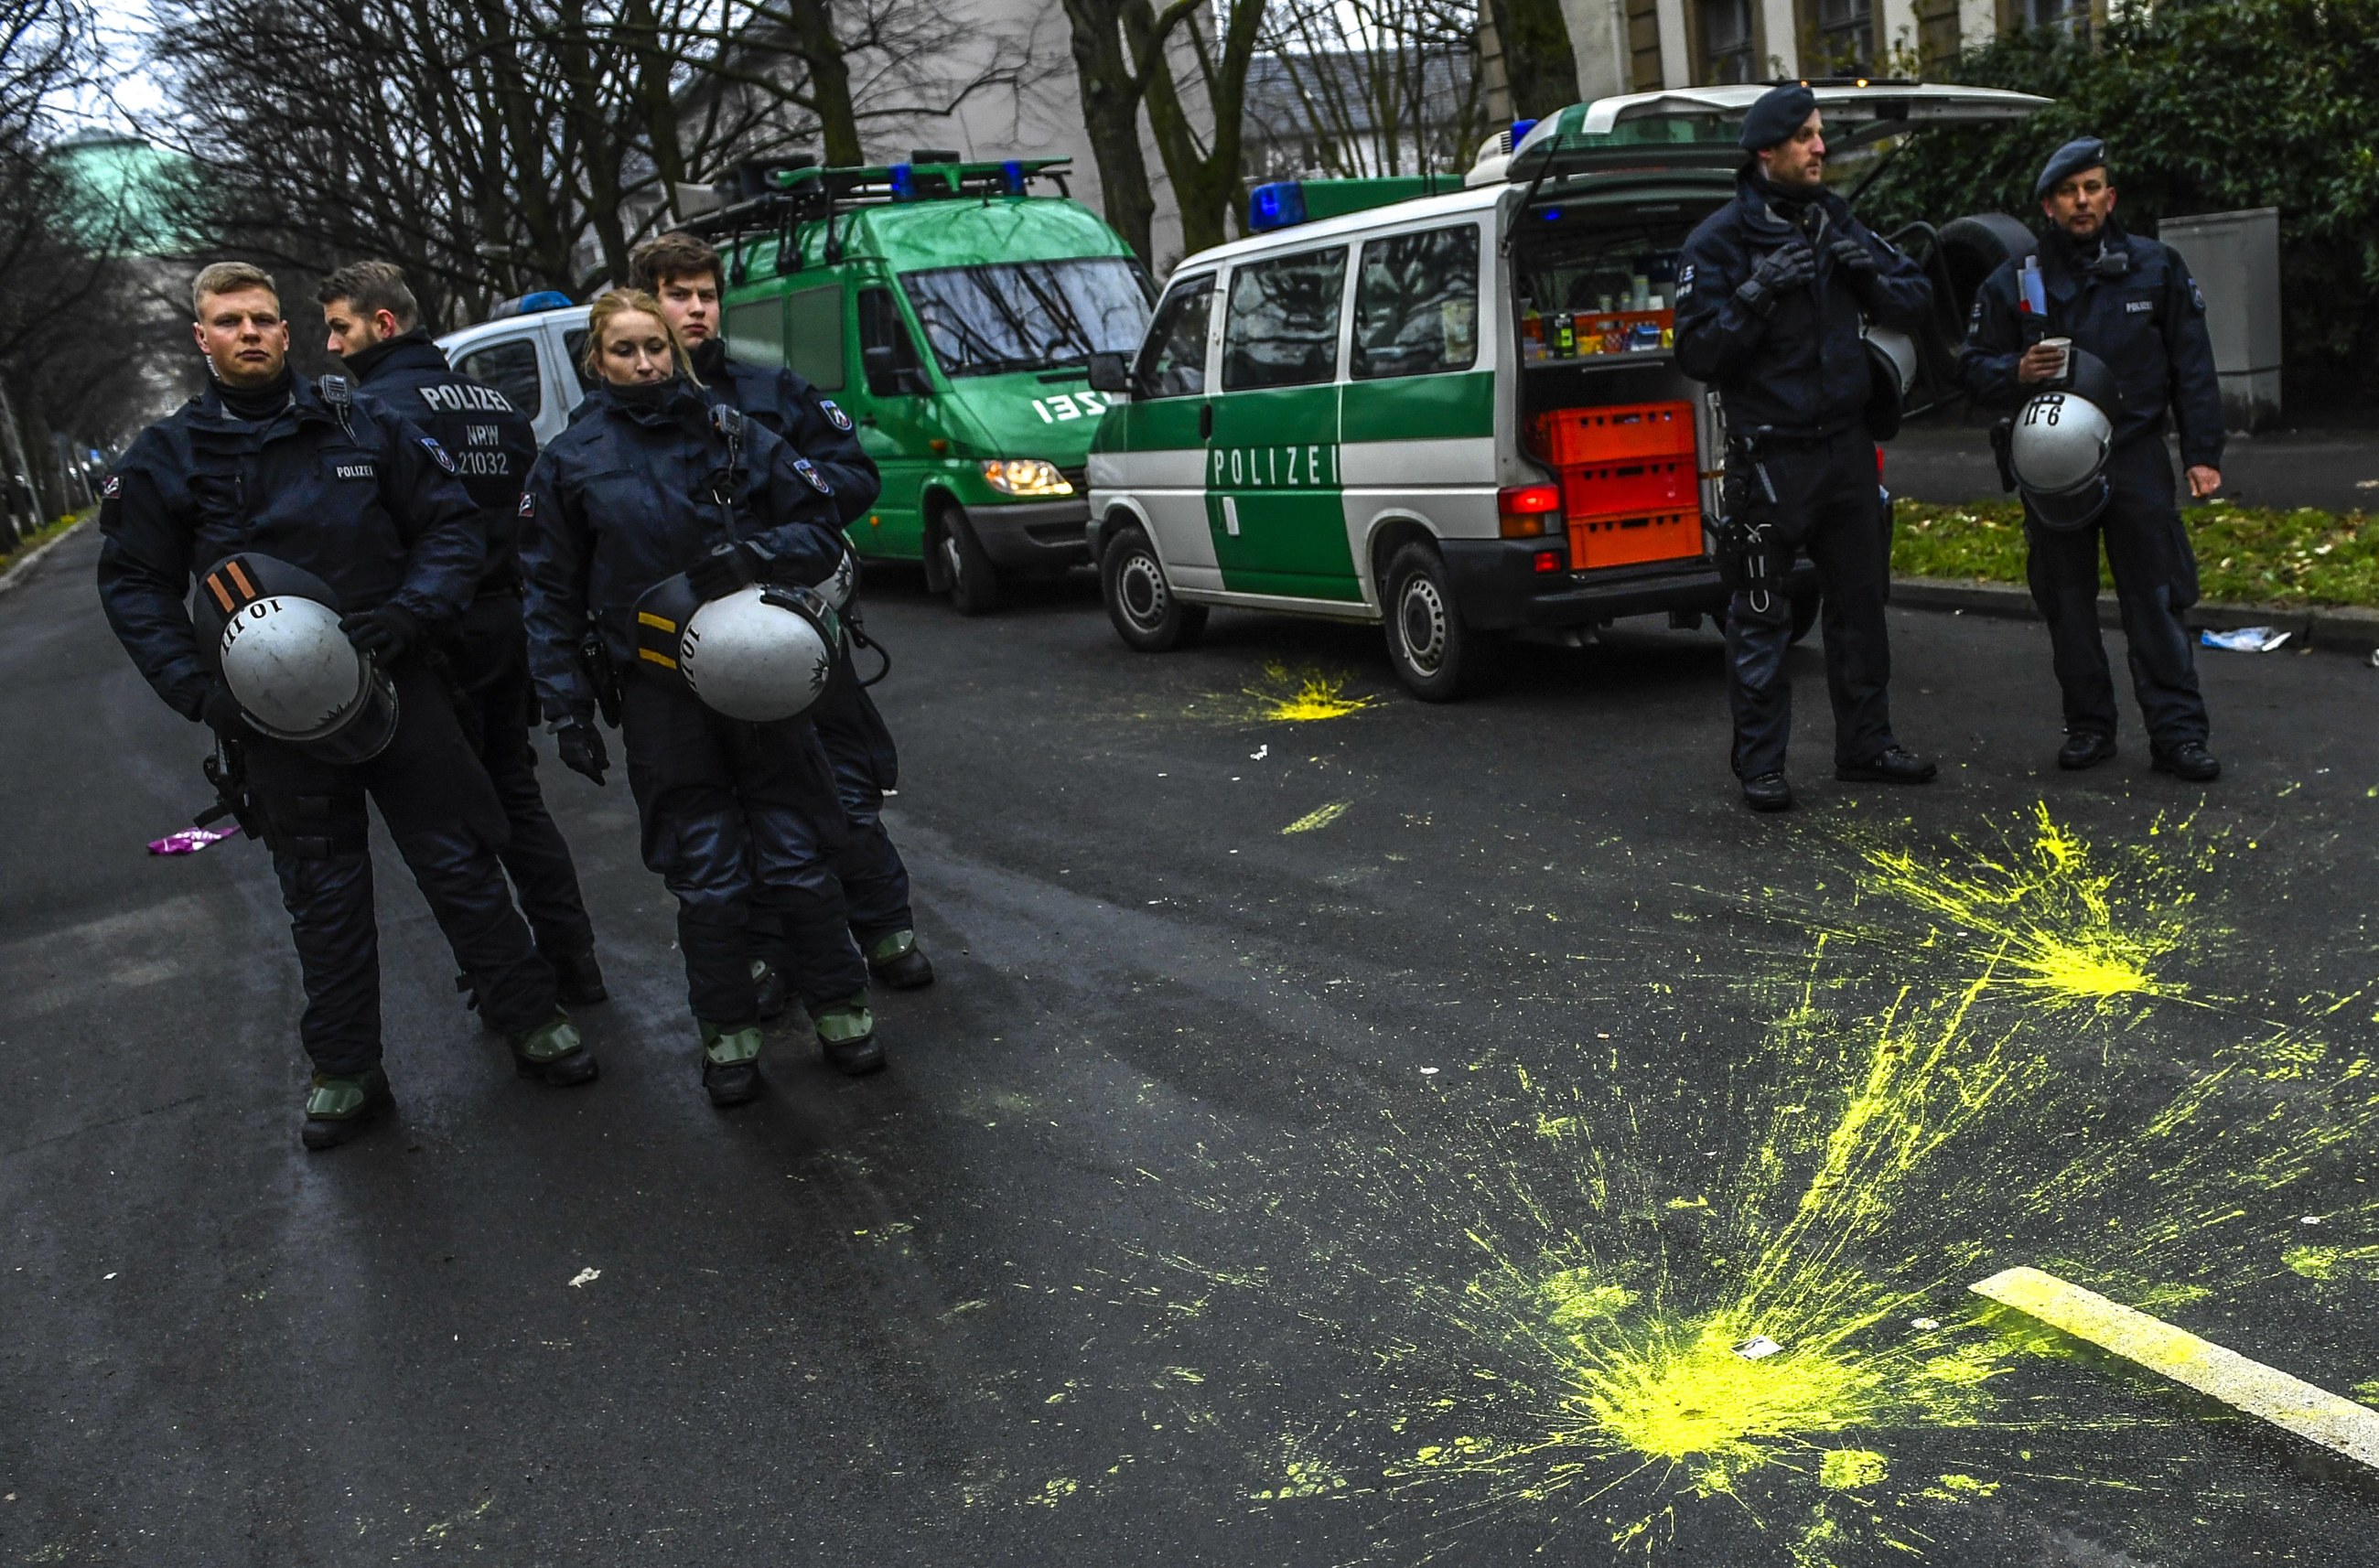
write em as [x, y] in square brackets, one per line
[1364, 1137]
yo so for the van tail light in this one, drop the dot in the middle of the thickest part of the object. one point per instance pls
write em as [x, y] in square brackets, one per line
[1549, 561]
[1879, 465]
[1527, 511]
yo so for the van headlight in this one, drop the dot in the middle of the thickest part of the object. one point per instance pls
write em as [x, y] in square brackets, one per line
[1025, 476]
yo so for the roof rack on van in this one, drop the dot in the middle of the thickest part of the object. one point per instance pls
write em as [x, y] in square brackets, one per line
[805, 193]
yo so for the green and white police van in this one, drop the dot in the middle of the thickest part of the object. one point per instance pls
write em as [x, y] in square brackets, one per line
[1456, 412]
[949, 307]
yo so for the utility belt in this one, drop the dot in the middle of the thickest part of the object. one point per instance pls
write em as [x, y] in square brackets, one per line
[1751, 558]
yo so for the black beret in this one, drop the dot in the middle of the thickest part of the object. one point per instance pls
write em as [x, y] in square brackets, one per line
[1779, 112]
[2085, 152]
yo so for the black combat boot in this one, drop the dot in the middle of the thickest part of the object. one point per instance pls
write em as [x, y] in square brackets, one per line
[2085, 748]
[846, 1033]
[898, 962]
[337, 1107]
[731, 1063]
[1770, 791]
[1890, 765]
[553, 1054]
[2189, 760]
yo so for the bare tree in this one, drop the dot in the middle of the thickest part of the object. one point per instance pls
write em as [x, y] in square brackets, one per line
[1364, 88]
[493, 148]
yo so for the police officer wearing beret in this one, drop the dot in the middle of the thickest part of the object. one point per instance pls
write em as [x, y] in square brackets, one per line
[263, 464]
[2131, 303]
[683, 272]
[1771, 292]
[374, 321]
[650, 485]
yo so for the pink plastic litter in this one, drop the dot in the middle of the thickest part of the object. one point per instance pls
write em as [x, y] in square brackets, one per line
[191, 841]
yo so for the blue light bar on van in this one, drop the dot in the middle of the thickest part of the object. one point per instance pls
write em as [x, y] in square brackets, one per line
[529, 305]
[1279, 205]
[904, 183]
[1520, 129]
[1012, 172]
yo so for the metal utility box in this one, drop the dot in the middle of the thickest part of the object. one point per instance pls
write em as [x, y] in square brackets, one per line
[2236, 258]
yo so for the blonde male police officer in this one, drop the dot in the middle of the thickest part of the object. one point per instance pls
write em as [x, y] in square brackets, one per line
[261, 465]
[2131, 303]
[1771, 296]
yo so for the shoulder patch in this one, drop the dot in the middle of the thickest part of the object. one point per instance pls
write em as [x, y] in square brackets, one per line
[2196, 296]
[437, 454]
[842, 421]
[111, 487]
[528, 503]
[803, 466]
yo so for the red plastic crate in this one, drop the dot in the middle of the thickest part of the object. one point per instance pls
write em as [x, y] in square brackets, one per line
[1616, 433]
[1624, 541]
[1607, 490]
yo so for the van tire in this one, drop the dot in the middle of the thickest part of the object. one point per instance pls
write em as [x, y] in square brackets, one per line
[1438, 658]
[974, 582]
[1141, 604]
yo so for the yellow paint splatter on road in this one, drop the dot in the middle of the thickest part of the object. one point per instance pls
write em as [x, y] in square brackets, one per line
[1321, 816]
[1299, 696]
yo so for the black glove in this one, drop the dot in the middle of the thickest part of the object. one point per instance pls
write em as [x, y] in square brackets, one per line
[387, 633]
[723, 570]
[220, 712]
[580, 746]
[1790, 266]
[1854, 256]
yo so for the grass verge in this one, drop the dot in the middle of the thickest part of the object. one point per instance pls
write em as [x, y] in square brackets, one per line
[2245, 554]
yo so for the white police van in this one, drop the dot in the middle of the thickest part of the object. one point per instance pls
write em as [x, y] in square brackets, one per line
[1455, 410]
[527, 349]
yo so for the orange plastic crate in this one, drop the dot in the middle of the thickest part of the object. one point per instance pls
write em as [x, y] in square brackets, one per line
[1607, 490]
[1624, 541]
[1616, 433]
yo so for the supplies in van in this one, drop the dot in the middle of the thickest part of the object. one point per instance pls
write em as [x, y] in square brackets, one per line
[1629, 480]
[1643, 325]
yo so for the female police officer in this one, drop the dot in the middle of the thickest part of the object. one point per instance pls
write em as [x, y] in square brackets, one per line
[648, 485]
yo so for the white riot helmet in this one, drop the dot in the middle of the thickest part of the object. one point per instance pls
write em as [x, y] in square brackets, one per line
[2060, 440]
[763, 652]
[1891, 376]
[274, 638]
[836, 586]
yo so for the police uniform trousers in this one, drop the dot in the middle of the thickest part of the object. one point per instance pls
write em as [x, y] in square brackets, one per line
[859, 746]
[446, 820]
[488, 654]
[739, 817]
[2156, 579]
[1828, 506]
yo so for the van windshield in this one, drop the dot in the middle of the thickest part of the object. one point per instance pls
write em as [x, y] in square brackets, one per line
[1029, 315]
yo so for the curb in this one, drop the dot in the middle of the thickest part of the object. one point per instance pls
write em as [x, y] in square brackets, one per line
[22, 567]
[2347, 629]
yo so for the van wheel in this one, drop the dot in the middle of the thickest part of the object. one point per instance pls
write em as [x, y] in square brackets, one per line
[973, 581]
[1804, 612]
[1140, 602]
[1437, 658]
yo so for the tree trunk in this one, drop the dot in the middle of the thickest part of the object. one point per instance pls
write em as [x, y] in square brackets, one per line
[1111, 113]
[814, 40]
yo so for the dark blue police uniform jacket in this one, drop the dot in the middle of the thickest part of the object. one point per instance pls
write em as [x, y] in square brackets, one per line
[623, 498]
[1801, 370]
[2146, 320]
[363, 500]
[814, 424]
[493, 443]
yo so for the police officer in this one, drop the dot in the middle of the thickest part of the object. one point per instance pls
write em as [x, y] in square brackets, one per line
[683, 272]
[652, 484]
[1770, 294]
[2131, 303]
[261, 465]
[374, 321]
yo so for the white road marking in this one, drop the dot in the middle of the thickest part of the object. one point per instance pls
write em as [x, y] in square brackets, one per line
[2294, 1405]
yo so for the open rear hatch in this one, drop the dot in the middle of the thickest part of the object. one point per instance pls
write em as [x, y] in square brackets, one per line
[1612, 190]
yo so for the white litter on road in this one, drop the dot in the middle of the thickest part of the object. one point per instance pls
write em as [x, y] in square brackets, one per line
[585, 1276]
[2246, 639]
[1757, 1347]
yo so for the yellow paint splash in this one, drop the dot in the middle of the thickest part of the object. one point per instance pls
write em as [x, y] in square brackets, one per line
[1304, 695]
[2326, 1263]
[1851, 1469]
[1321, 816]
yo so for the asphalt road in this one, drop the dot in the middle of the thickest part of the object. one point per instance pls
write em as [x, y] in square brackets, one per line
[1362, 1140]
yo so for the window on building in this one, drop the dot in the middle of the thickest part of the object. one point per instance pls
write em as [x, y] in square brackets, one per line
[1844, 36]
[2070, 17]
[1282, 329]
[1726, 41]
[1643, 73]
[1416, 304]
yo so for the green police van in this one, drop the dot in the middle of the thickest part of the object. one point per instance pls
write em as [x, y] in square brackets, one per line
[1452, 408]
[951, 309]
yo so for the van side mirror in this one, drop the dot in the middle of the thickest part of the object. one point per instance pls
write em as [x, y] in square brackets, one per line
[1111, 373]
[886, 377]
